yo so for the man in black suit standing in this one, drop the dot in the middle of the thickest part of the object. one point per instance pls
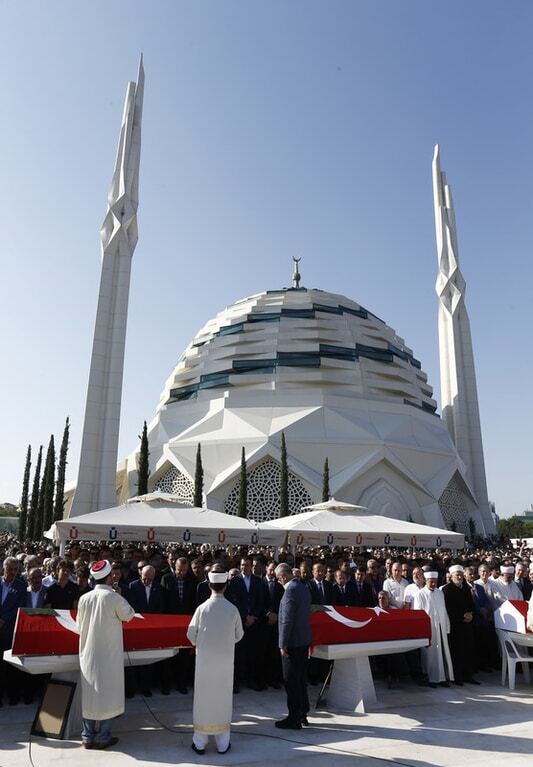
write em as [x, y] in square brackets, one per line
[145, 596]
[321, 590]
[255, 603]
[294, 640]
[343, 591]
[321, 594]
[180, 588]
[362, 594]
[12, 596]
[272, 661]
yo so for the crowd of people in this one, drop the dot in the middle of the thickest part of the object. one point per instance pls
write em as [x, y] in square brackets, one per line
[459, 591]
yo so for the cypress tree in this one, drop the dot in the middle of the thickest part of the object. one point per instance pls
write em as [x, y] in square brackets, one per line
[46, 509]
[242, 510]
[325, 482]
[34, 503]
[198, 479]
[23, 514]
[144, 469]
[61, 472]
[284, 480]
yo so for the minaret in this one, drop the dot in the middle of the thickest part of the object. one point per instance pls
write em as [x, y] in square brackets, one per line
[96, 485]
[460, 409]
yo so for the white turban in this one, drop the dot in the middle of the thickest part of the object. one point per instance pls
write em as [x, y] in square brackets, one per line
[456, 569]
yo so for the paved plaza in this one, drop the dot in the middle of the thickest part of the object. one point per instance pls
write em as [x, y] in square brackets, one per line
[412, 726]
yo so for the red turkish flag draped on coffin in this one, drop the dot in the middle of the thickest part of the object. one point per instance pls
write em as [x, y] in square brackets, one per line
[54, 632]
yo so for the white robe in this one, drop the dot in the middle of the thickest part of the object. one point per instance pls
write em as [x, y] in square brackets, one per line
[500, 592]
[434, 656]
[100, 616]
[214, 629]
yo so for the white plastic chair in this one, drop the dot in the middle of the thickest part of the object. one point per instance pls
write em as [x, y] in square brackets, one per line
[511, 655]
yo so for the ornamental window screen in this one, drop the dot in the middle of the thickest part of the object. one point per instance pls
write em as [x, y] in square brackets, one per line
[175, 482]
[263, 496]
[453, 506]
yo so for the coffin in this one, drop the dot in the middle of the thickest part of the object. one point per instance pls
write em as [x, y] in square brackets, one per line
[511, 616]
[48, 633]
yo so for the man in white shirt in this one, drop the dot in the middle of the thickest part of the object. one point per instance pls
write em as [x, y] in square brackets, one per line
[395, 586]
[413, 588]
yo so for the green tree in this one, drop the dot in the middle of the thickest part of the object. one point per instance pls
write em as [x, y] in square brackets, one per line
[23, 515]
[326, 495]
[242, 510]
[198, 479]
[144, 468]
[472, 528]
[34, 503]
[46, 510]
[453, 526]
[59, 503]
[284, 480]
[513, 527]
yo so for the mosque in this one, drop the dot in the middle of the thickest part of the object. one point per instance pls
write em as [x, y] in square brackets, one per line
[318, 367]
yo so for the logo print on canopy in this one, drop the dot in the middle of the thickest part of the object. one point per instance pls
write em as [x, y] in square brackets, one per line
[187, 535]
[221, 536]
[112, 533]
[386, 539]
[73, 533]
[150, 534]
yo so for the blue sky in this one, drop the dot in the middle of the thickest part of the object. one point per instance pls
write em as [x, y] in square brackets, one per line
[270, 130]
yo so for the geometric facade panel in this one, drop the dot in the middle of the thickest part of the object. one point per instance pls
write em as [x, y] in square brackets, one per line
[263, 493]
[452, 504]
[173, 481]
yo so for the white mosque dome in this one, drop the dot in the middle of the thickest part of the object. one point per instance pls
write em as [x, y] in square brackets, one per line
[337, 381]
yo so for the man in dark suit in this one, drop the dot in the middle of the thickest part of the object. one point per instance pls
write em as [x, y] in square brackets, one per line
[343, 591]
[180, 588]
[321, 594]
[321, 590]
[35, 592]
[145, 596]
[12, 596]
[294, 640]
[362, 594]
[36, 597]
[272, 660]
[484, 639]
[255, 603]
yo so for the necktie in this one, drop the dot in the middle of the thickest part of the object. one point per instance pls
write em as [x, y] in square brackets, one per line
[321, 589]
[360, 586]
[271, 588]
[180, 587]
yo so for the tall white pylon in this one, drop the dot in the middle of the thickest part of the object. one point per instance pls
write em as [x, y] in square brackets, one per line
[459, 402]
[96, 485]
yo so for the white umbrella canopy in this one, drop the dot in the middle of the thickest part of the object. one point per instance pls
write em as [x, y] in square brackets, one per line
[154, 522]
[333, 505]
[348, 525]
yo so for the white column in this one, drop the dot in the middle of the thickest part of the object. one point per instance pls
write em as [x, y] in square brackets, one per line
[96, 485]
[459, 402]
